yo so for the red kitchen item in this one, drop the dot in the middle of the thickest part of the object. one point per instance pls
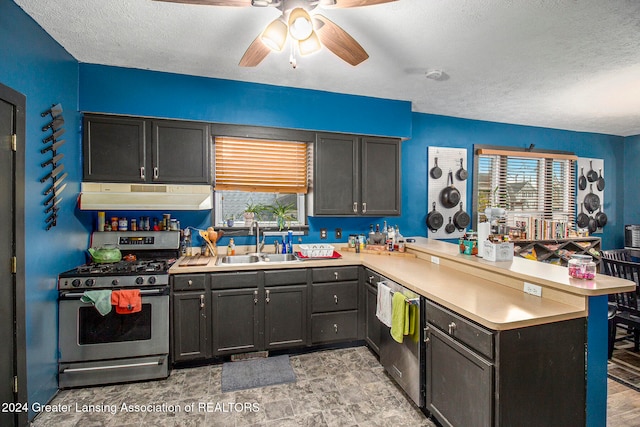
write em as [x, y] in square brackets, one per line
[127, 301]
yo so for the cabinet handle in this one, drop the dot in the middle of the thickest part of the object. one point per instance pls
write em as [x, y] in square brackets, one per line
[335, 273]
[155, 172]
[255, 297]
[364, 207]
[355, 207]
[189, 282]
[335, 298]
[267, 299]
[425, 333]
[371, 279]
[335, 327]
[201, 301]
[142, 176]
[452, 328]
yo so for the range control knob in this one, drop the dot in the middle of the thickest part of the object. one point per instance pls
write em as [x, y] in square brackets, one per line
[139, 280]
[152, 280]
[115, 282]
[90, 282]
[75, 283]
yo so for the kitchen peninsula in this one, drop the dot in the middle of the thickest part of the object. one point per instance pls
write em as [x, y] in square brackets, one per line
[514, 355]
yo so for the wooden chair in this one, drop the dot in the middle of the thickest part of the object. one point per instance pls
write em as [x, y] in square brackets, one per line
[624, 311]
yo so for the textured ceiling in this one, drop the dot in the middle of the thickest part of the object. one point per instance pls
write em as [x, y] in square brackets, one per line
[566, 64]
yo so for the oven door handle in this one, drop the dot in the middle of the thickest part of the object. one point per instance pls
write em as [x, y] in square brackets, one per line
[103, 368]
[145, 292]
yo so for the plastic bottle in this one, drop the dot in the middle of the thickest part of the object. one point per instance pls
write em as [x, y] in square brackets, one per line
[290, 242]
[231, 249]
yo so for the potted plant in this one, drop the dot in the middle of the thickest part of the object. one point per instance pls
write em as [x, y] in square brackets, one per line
[251, 211]
[282, 212]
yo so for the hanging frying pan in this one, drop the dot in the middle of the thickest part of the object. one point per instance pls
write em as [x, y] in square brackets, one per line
[462, 174]
[450, 196]
[434, 219]
[593, 225]
[601, 218]
[582, 181]
[435, 171]
[449, 228]
[583, 218]
[461, 219]
[591, 201]
[600, 182]
[592, 176]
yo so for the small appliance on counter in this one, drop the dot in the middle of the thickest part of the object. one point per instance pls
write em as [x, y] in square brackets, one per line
[632, 236]
[96, 348]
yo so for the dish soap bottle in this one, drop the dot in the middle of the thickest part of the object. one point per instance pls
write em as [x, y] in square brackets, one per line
[231, 249]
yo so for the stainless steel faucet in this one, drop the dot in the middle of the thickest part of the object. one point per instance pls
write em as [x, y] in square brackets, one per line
[258, 244]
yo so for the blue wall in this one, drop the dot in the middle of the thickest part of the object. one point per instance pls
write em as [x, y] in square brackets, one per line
[32, 63]
[631, 169]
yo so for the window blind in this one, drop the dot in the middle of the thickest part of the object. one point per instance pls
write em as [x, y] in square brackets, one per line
[537, 191]
[258, 165]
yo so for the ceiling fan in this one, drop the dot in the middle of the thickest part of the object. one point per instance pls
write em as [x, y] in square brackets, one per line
[307, 31]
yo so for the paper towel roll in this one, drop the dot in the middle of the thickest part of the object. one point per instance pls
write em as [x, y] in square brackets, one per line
[484, 229]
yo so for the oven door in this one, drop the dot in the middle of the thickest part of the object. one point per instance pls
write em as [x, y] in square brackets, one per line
[85, 335]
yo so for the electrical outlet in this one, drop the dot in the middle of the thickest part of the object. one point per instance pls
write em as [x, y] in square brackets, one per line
[532, 289]
[323, 233]
[338, 233]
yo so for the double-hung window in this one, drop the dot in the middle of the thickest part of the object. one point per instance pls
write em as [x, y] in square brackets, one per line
[262, 172]
[536, 189]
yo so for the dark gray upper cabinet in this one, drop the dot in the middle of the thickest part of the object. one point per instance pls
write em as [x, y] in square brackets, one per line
[131, 149]
[355, 176]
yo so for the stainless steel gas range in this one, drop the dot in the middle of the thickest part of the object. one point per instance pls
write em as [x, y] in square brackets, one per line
[100, 349]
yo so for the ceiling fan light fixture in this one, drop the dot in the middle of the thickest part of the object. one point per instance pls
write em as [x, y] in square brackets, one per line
[300, 25]
[310, 45]
[275, 35]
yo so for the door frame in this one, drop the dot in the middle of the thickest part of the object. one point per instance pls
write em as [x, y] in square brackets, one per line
[19, 100]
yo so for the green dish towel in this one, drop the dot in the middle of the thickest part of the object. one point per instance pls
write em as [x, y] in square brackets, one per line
[100, 299]
[400, 324]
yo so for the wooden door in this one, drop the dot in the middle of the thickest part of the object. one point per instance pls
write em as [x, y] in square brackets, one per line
[13, 355]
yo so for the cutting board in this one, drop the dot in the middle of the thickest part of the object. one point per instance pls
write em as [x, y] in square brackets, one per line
[195, 261]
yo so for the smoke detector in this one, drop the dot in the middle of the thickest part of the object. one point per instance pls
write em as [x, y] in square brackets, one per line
[437, 75]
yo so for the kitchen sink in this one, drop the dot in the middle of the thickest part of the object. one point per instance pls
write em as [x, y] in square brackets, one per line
[278, 257]
[238, 259]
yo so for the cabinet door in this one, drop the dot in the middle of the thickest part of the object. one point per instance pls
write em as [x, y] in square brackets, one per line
[459, 383]
[180, 152]
[190, 333]
[285, 316]
[236, 320]
[372, 323]
[336, 166]
[114, 149]
[380, 189]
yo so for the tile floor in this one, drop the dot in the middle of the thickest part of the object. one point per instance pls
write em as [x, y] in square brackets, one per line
[343, 387]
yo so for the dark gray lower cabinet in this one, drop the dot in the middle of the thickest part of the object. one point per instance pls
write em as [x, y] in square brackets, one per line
[526, 377]
[236, 321]
[285, 316]
[372, 323]
[190, 326]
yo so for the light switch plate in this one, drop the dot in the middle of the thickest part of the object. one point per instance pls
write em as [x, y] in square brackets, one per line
[323, 233]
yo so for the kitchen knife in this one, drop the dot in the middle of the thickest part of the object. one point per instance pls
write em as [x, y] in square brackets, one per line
[52, 160]
[53, 173]
[55, 203]
[55, 124]
[55, 193]
[55, 111]
[57, 134]
[53, 147]
[55, 184]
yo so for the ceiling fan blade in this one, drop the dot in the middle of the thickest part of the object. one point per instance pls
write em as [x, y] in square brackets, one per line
[340, 42]
[237, 3]
[255, 53]
[356, 3]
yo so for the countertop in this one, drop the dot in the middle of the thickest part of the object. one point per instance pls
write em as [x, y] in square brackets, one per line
[488, 293]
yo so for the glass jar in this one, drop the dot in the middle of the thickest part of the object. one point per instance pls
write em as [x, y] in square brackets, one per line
[582, 267]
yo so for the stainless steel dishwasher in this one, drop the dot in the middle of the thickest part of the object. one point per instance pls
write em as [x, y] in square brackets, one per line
[404, 362]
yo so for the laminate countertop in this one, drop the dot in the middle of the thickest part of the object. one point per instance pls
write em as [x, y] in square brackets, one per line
[490, 294]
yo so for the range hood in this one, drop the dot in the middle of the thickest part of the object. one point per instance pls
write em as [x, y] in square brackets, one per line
[117, 196]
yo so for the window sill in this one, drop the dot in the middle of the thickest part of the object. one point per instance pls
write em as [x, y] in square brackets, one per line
[248, 231]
